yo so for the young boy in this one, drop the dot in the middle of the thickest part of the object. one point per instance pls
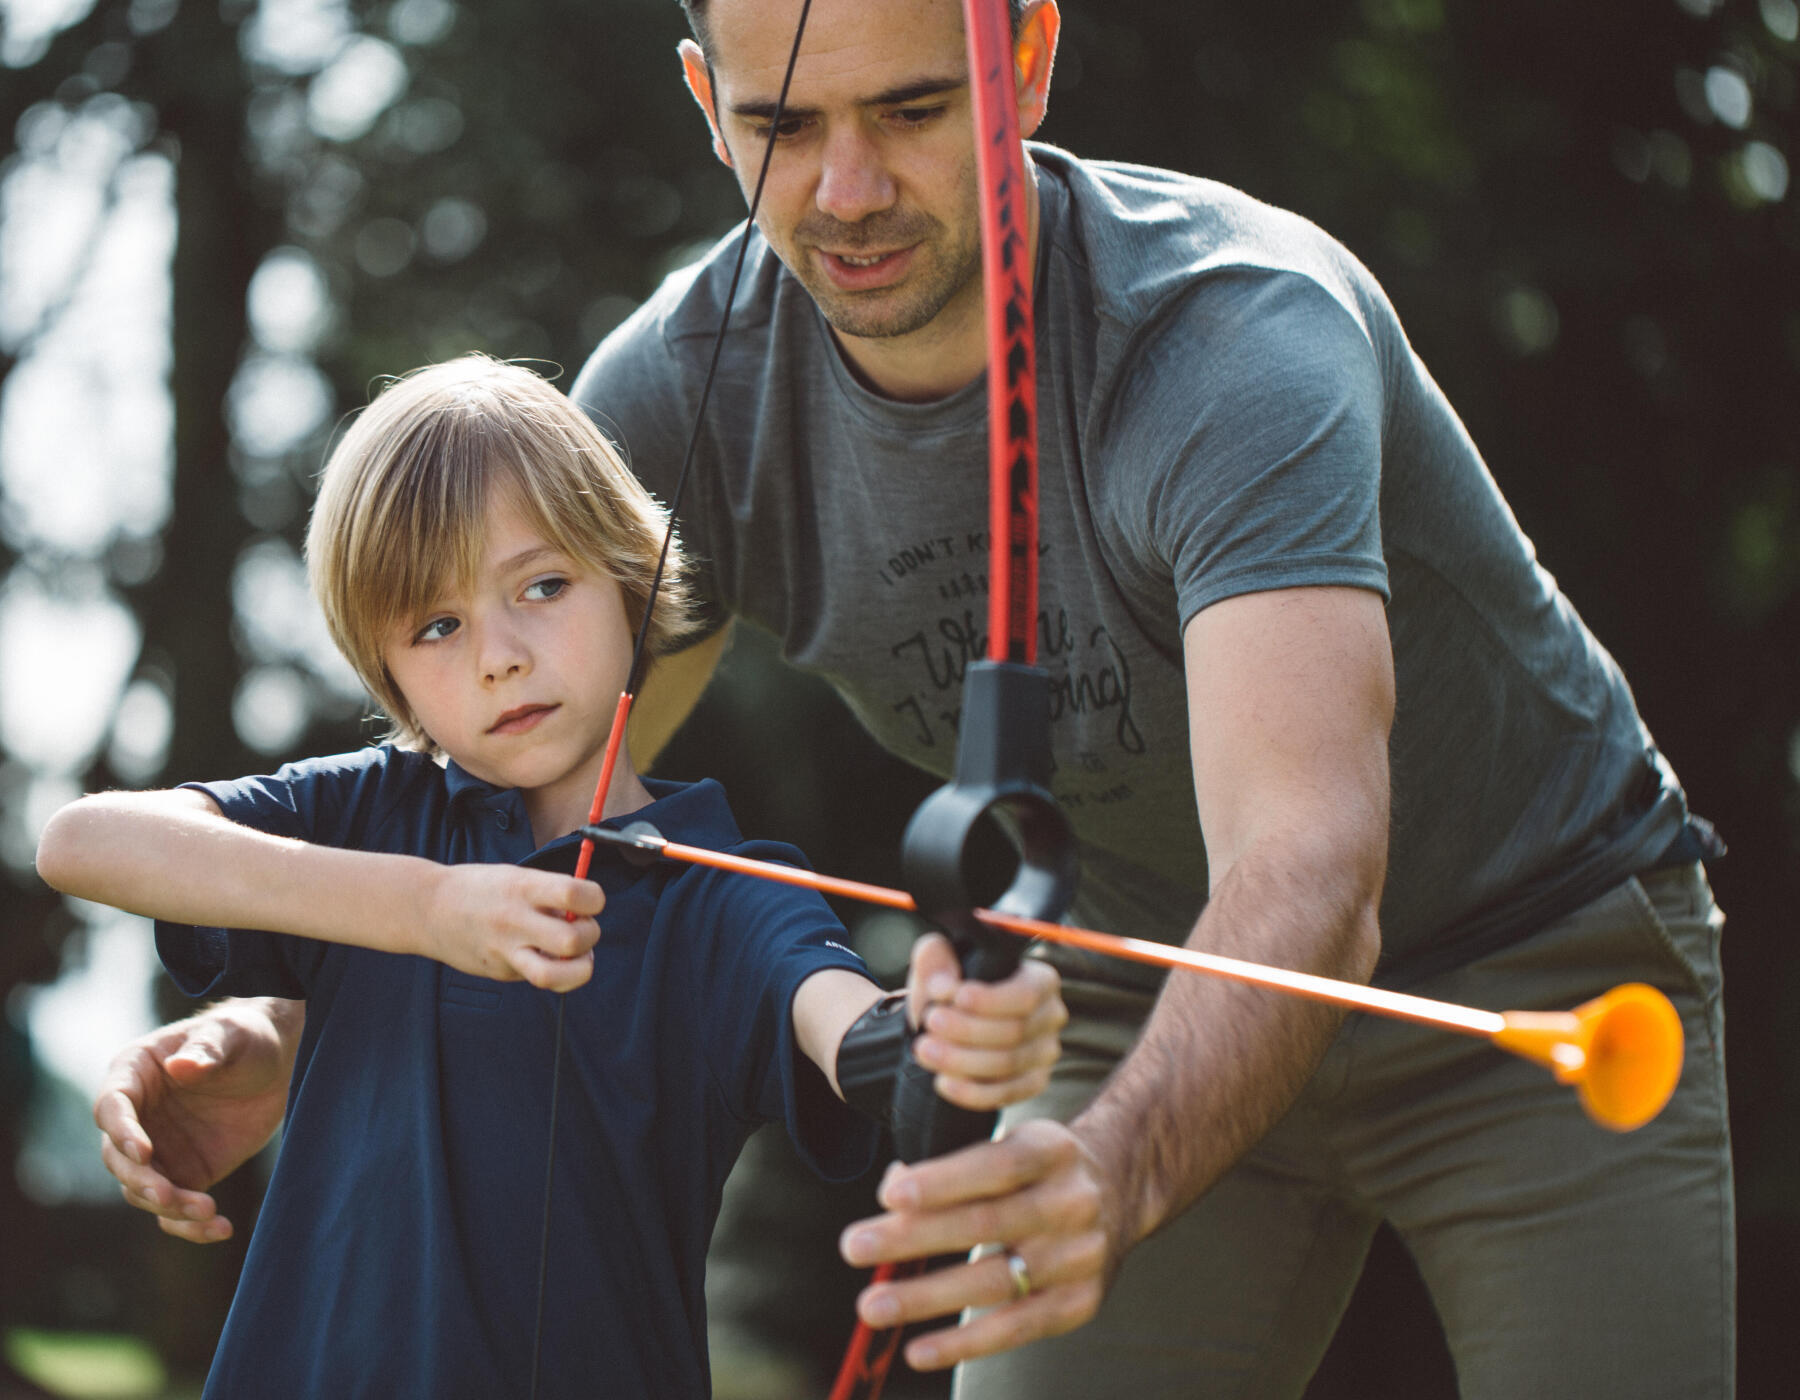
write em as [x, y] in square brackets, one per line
[483, 558]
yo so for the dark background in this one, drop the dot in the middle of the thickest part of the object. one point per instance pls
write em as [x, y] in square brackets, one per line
[1570, 213]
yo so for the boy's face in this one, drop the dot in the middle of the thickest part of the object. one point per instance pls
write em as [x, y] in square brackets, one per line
[518, 677]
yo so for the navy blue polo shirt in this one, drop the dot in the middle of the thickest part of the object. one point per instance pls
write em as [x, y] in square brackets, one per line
[396, 1252]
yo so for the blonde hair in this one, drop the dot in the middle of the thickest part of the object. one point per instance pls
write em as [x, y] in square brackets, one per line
[404, 497]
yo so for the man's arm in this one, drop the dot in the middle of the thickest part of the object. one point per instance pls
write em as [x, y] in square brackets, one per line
[1290, 699]
[186, 1105]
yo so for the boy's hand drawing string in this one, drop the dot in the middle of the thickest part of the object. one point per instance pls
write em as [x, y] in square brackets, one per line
[635, 676]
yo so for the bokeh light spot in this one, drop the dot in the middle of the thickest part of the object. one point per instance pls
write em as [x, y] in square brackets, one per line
[270, 710]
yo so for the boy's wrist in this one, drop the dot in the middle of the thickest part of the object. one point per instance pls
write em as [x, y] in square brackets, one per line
[869, 1056]
[419, 887]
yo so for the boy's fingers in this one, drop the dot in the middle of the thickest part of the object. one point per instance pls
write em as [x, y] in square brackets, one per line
[558, 937]
[958, 1028]
[565, 894]
[966, 1061]
[1033, 986]
[933, 975]
[983, 1094]
[553, 974]
[584, 897]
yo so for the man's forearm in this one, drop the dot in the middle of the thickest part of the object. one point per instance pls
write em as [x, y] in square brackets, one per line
[1218, 1063]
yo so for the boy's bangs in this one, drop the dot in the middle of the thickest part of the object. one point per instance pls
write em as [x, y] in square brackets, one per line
[425, 536]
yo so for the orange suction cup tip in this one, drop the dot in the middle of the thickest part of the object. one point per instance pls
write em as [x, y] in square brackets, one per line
[1621, 1051]
[1634, 1056]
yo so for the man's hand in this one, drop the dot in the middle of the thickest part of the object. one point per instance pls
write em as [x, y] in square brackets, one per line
[184, 1106]
[990, 1043]
[1037, 1193]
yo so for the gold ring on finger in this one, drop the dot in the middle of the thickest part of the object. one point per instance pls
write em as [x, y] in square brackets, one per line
[1020, 1275]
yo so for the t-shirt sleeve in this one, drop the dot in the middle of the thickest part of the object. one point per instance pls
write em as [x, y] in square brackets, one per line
[758, 942]
[327, 801]
[1247, 442]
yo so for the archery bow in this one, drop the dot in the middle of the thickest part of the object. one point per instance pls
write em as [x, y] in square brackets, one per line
[1003, 760]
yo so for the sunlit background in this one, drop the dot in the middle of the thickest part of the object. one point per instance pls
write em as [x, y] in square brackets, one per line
[221, 220]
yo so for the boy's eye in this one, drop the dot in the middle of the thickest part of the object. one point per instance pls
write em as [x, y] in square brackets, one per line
[545, 588]
[436, 630]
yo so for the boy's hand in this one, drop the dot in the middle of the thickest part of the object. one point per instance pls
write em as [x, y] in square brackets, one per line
[187, 1104]
[990, 1043]
[509, 923]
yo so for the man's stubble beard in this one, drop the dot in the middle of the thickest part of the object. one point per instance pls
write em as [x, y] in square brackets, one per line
[948, 268]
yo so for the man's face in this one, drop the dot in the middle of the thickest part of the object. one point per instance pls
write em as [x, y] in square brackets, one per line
[871, 199]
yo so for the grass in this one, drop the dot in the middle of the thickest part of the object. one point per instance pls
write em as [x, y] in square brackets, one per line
[88, 1365]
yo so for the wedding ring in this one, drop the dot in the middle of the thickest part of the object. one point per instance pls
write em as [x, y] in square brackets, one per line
[1021, 1276]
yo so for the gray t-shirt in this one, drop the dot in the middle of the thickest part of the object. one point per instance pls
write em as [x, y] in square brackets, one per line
[1227, 404]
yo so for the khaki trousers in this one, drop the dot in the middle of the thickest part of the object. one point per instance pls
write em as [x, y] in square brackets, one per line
[1563, 1259]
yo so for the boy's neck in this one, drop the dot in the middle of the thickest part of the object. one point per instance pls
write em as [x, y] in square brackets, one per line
[556, 811]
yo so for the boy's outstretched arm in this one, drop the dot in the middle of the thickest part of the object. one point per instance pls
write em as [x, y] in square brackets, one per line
[173, 855]
[990, 1043]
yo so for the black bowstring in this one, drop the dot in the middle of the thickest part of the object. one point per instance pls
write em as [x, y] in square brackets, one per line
[639, 649]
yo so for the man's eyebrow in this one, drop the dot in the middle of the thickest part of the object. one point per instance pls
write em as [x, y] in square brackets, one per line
[890, 97]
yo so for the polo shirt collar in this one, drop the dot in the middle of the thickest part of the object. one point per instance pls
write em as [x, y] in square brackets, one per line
[696, 814]
[458, 781]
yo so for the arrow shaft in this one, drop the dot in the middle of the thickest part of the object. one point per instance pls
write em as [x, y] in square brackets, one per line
[1398, 1005]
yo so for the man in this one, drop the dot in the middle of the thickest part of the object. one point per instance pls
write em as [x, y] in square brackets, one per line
[1314, 704]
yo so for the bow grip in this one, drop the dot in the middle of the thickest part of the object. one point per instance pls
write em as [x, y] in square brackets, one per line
[1002, 764]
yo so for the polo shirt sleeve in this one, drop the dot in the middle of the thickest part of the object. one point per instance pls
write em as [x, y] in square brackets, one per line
[327, 801]
[757, 942]
[1247, 441]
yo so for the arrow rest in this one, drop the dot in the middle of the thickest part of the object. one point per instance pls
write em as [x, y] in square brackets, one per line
[1002, 766]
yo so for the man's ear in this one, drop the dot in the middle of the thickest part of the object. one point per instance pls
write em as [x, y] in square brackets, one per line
[699, 82]
[1033, 54]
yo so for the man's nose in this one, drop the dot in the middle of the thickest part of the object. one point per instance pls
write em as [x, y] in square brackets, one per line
[853, 179]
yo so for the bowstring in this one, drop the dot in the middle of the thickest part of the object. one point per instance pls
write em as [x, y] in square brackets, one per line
[640, 652]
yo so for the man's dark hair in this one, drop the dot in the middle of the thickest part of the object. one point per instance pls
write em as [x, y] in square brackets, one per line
[696, 18]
